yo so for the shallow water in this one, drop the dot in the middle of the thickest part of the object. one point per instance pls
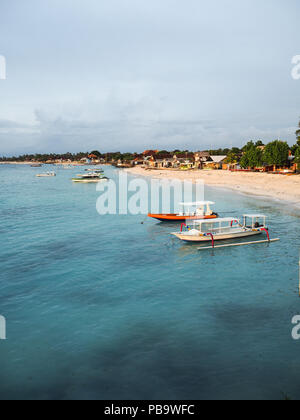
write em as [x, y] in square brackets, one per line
[105, 307]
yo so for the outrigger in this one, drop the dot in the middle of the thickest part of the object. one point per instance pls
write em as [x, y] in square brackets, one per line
[201, 210]
[202, 231]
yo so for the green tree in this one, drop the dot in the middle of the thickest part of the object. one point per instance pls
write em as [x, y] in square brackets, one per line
[252, 157]
[250, 145]
[236, 151]
[294, 149]
[277, 153]
[232, 158]
[297, 157]
[259, 143]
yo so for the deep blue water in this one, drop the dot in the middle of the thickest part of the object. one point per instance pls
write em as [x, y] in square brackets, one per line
[106, 307]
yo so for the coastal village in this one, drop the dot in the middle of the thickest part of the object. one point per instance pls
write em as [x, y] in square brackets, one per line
[205, 160]
[275, 157]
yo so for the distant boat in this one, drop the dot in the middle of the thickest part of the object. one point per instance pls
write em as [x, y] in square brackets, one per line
[36, 165]
[89, 178]
[95, 171]
[46, 175]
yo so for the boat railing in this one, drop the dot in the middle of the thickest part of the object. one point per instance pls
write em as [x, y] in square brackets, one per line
[218, 229]
[222, 229]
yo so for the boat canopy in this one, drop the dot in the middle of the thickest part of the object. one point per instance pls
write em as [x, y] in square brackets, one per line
[197, 203]
[255, 216]
[218, 221]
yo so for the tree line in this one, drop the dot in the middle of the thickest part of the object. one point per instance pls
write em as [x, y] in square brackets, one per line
[276, 153]
[38, 157]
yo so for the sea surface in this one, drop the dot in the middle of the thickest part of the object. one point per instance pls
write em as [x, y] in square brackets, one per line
[105, 307]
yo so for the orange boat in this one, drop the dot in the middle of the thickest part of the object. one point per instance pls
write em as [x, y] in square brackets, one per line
[203, 211]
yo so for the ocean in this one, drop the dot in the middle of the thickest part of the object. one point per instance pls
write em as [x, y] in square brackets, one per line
[105, 307]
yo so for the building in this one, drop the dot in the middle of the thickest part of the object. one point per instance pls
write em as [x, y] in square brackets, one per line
[201, 158]
[139, 160]
[216, 162]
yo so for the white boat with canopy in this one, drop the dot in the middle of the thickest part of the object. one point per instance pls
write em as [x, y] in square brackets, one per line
[46, 175]
[88, 178]
[223, 229]
[190, 211]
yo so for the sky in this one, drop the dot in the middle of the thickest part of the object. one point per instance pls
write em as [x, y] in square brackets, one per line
[130, 75]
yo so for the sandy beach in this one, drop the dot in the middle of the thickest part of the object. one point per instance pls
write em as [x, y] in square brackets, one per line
[280, 187]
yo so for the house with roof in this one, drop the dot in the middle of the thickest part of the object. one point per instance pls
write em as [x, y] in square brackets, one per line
[93, 158]
[201, 158]
[215, 162]
[184, 161]
[166, 160]
[138, 160]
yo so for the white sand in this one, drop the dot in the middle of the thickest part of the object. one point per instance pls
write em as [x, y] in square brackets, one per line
[280, 187]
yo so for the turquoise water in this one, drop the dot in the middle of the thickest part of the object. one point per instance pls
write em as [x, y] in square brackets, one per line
[105, 307]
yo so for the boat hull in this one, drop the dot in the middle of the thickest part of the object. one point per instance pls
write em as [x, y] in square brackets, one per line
[89, 181]
[176, 218]
[223, 237]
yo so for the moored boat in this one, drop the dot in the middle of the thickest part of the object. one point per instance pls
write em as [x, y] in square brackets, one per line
[90, 178]
[223, 229]
[95, 171]
[46, 175]
[191, 211]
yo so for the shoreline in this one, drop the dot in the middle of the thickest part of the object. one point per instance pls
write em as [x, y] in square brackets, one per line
[278, 187]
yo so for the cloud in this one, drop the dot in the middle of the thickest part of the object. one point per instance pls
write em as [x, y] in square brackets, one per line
[146, 75]
[134, 126]
[14, 127]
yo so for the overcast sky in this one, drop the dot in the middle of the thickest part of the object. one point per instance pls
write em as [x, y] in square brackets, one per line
[134, 74]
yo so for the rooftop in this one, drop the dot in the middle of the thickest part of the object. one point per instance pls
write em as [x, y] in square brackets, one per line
[218, 159]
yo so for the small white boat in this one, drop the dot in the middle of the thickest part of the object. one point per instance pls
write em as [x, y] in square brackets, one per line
[89, 178]
[95, 171]
[46, 175]
[201, 231]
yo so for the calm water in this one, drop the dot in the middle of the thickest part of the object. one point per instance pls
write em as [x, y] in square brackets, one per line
[108, 308]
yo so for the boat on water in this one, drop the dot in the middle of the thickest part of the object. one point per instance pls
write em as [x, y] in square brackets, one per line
[95, 171]
[90, 178]
[36, 165]
[46, 175]
[201, 231]
[191, 211]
